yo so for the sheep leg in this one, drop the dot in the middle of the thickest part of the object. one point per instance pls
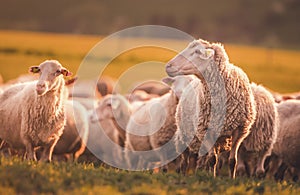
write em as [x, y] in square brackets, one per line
[237, 139]
[260, 170]
[241, 167]
[79, 152]
[48, 150]
[183, 164]
[29, 153]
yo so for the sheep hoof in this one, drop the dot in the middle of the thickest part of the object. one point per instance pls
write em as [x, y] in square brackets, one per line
[241, 171]
[260, 174]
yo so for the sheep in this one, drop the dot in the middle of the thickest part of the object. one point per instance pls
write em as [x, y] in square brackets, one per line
[75, 133]
[259, 143]
[102, 134]
[227, 92]
[107, 85]
[287, 145]
[152, 87]
[116, 108]
[32, 113]
[152, 125]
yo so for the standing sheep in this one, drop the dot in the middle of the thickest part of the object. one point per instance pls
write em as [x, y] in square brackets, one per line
[32, 113]
[287, 145]
[259, 143]
[75, 133]
[115, 108]
[153, 124]
[210, 63]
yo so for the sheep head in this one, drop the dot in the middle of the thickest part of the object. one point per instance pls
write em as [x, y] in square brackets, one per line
[194, 59]
[107, 108]
[50, 71]
[179, 83]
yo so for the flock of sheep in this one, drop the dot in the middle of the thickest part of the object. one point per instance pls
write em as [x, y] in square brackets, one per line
[210, 115]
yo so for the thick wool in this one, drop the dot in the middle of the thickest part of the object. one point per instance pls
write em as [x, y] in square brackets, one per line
[28, 120]
[259, 143]
[240, 104]
[75, 134]
[287, 143]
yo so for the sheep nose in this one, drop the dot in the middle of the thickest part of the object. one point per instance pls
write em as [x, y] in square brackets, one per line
[41, 85]
[169, 65]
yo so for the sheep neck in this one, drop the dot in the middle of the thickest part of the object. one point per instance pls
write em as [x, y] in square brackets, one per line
[53, 99]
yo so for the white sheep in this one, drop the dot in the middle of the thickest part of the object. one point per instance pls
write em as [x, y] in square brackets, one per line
[259, 143]
[32, 113]
[287, 145]
[229, 106]
[75, 133]
[116, 108]
[152, 125]
[108, 122]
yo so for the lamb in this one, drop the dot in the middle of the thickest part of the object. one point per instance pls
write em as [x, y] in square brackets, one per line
[259, 143]
[75, 133]
[229, 106]
[287, 145]
[32, 113]
[153, 126]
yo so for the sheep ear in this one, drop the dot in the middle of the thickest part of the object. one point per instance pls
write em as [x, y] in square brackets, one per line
[115, 103]
[34, 69]
[207, 53]
[65, 72]
[168, 80]
[71, 81]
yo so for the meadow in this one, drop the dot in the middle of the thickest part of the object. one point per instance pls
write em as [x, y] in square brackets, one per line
[274, 68]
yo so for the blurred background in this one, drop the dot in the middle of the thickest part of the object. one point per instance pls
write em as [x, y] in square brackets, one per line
[262, 37]
[269, 22]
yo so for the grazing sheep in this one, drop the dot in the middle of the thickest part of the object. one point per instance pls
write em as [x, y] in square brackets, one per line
[259, 143]
[84, 89]
[210, 63]
[140, 95]
[106, 85]
[153, 87]
[75, 133]
[32, 113]
[287, 145]
[152, 125]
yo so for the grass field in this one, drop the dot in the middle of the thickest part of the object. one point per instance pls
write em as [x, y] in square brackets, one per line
[69, 178]
[274, 68]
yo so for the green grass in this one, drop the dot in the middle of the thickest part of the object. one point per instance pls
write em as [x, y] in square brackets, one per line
[24, 177]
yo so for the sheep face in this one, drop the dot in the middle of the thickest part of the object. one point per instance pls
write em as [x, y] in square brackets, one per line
[179, 83]
[49, 71]
[192, 60]
[107, 108]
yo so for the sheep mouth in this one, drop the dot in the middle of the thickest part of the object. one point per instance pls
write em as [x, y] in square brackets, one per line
[40, 92]
[171, 71]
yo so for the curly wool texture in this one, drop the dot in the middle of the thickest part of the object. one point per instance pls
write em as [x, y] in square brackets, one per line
[263, 132]
[75, 133]
[25, 114]
[240, 105]
[287, 144]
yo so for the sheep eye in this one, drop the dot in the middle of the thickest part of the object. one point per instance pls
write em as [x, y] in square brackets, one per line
[197, 51]
[58, 72]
